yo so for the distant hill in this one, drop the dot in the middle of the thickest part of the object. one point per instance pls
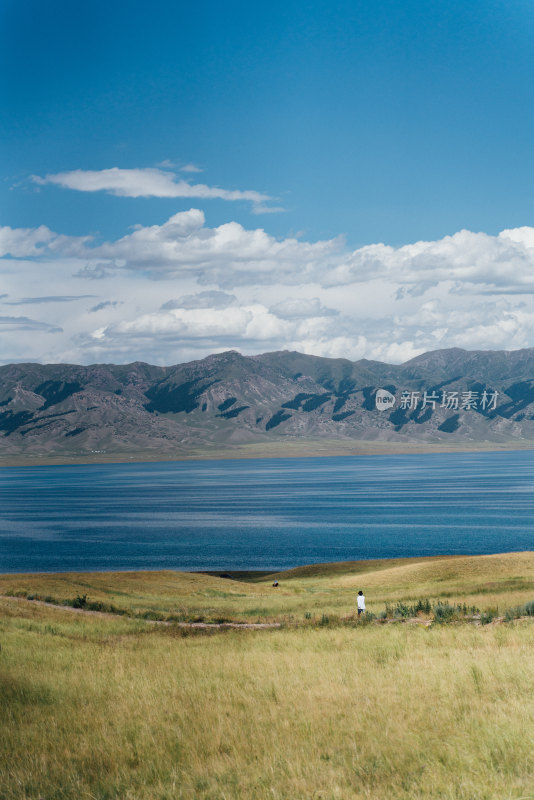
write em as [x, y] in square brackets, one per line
[226, 400]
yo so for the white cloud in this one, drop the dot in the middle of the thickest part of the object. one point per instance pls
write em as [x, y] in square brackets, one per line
[229, 254]
[245, 322]
[191, 168]
[21, 242]
[466, 257]
[28, 242]
[356, 346]
[148, 182]
[524, 235]
[167, 294]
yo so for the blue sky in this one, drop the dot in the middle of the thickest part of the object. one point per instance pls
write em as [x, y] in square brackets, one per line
[332, 154]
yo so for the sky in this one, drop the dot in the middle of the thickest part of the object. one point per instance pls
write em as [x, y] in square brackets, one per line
[344, 178]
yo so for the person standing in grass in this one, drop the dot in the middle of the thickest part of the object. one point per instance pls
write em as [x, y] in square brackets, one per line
[361, 602]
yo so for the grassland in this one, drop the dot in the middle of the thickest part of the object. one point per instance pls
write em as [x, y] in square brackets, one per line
[101, 706]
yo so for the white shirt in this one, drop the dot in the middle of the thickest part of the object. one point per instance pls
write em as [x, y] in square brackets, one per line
[361, 602]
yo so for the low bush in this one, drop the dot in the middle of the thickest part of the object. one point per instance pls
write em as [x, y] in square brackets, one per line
[487, 616]
[442, 612]
[526, 610]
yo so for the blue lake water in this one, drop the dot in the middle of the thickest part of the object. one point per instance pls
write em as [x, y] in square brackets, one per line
[263, 513]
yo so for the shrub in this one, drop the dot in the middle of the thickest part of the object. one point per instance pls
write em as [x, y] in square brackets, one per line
[423, 606]
[488, 616]
[404, 611]
[526, 610]
[79, 602]
[443, 612]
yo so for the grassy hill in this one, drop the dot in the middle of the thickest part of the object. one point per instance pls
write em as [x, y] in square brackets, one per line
[493, 581]
[101, 706]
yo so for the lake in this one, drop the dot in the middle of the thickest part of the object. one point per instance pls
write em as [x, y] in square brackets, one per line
[264, 514]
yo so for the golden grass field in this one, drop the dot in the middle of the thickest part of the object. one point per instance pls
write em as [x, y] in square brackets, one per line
[102, 706]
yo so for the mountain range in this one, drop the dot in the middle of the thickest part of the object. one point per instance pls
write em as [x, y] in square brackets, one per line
[229, 401]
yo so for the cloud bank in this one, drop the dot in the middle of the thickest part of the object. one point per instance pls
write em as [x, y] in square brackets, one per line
[181, 289]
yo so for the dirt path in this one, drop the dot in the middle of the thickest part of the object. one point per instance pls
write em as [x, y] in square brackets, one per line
[109, 615]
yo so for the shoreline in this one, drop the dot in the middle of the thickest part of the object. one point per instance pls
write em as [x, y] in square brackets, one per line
[239, 575]
[277, 449]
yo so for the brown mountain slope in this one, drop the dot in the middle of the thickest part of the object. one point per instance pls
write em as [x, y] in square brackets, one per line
[448, 397]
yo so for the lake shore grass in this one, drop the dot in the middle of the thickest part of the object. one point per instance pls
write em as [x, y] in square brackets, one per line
[496, 582]
[101, 706]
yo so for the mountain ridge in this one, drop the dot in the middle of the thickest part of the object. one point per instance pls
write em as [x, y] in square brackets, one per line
[439, 398]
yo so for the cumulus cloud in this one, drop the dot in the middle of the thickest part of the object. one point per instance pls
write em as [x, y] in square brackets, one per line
[21, 242]
[248, 328]
[466, 257]
[483, 326]
[246, 322]
[185, 289]
[148, 182]
[229, 254]
[523, 235]
[32, 242]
